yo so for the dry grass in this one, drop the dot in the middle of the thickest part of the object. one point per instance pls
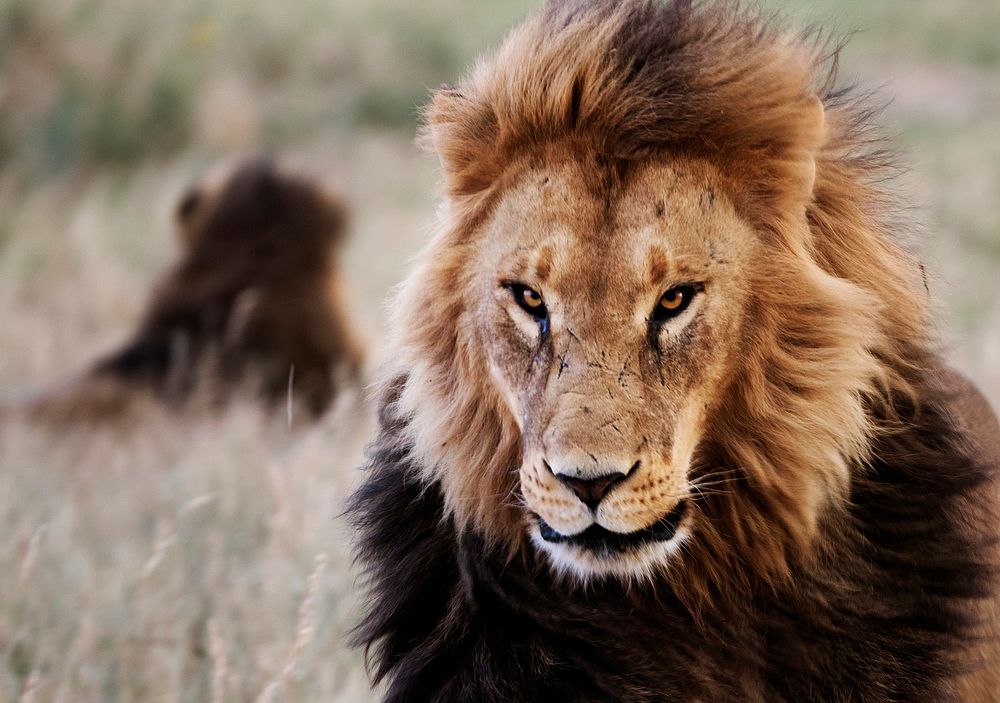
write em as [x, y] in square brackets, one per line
[194, 560]
[202, 558]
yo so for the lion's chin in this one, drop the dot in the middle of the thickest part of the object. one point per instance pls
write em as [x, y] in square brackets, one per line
[597, 551]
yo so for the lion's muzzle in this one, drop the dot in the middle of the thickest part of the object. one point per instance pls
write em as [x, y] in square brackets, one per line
[604, 541]
[589, 514]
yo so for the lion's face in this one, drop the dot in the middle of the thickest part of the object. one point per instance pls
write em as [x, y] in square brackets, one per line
[655, 318]
[611, 317]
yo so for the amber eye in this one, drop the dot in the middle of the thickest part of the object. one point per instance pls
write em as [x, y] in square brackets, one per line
[673, 302]
[529, 300]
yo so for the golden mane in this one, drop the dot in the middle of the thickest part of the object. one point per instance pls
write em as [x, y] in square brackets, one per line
[844, 317]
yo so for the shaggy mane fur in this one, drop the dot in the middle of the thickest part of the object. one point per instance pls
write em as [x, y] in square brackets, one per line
[848, 560]
[618, 83]
[884, 616]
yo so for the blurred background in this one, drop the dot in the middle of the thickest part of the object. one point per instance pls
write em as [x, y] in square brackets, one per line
[207, 561]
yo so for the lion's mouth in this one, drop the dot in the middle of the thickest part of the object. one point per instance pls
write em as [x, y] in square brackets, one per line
[601, 539]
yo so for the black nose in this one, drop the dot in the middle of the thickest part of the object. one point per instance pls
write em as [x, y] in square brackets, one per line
[592, 490]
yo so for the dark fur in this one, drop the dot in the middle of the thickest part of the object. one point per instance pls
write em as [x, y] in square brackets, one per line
[882, 614]
[267, 240]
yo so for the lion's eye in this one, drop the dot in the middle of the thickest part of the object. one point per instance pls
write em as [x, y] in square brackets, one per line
[673, 302]
[529, 300]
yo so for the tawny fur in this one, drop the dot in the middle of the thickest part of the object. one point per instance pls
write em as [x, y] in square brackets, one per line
[254, 305]
[842, 547]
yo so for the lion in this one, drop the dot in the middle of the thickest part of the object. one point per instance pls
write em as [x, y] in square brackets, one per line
[665, 418]
[255, 302]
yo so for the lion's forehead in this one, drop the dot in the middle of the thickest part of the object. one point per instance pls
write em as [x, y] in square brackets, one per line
[560, 227]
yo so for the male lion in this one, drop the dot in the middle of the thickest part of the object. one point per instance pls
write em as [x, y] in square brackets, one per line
[664, 420]
[255, 300]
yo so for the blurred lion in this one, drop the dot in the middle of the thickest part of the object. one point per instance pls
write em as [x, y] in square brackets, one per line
[254, 304]
[664, 420]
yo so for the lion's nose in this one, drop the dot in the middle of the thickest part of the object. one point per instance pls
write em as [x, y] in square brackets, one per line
[591, 490]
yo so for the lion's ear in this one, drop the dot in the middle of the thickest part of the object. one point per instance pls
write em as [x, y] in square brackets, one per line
[463, 135]
[188, 206]
[186, 212]
[807, 137]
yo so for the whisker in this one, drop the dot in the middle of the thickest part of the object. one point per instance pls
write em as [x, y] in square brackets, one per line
[727, 474]
[710, 484]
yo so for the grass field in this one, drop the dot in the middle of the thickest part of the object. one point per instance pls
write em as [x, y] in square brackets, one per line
[204, 559]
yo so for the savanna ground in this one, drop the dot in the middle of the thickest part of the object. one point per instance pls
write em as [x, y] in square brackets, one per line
[204, 559]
